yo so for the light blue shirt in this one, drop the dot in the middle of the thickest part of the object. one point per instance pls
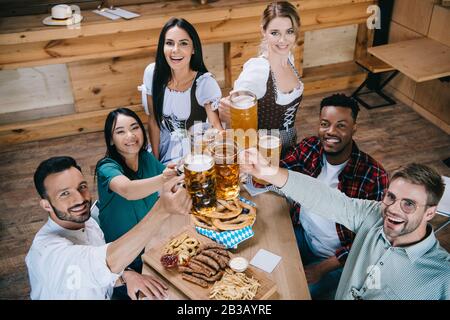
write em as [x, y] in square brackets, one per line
[374, 268]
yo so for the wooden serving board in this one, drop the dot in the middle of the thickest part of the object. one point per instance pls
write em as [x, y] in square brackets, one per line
[152, 257]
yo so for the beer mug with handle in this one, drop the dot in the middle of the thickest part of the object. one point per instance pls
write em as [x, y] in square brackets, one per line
[200, 179]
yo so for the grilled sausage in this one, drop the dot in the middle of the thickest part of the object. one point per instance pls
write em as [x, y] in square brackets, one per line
[221, 260]
[200, 267]
[213, 278]
[197, 281]
[208, 260]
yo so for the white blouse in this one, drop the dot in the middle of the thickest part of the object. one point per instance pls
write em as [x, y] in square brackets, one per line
[254, 77]
[178, 103]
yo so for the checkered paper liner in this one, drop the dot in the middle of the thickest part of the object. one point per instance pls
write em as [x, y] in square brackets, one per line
[230, 239]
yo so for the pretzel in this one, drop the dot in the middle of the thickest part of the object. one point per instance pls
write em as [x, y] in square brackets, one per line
[234, 224]
[183, 246]
[230, 218]
[199, 222]
[224, 214]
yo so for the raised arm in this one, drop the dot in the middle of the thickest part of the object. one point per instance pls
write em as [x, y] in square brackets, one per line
[311, 193]
[173, 200]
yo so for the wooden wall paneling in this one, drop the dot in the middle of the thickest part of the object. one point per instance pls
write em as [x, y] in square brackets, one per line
[440, 25]
[333, 77]
[240, 52]
[414, 14]
[70, 50]
[299, 53]
[435, 96]
[108, 83]
[323, 18]
[227, 65]
[58, 126]
[328, 46]
[213, 56]
[34, 88]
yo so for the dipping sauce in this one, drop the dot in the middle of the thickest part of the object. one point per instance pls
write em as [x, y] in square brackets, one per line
[239, 264]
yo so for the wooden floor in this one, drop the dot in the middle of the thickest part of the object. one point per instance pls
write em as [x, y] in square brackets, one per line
[393, 135]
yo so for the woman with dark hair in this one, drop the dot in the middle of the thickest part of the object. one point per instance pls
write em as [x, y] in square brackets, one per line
[128, 177]
[178, 90]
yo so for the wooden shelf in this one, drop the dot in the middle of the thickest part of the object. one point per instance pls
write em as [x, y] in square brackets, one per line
[25, 42]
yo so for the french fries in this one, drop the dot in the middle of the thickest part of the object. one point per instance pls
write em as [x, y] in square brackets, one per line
[234, 286]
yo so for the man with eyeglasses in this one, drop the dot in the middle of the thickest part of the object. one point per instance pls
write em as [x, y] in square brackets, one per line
[334, 158]
[395, 254]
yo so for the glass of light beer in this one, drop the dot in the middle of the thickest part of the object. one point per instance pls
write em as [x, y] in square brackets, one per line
[224, 152]
[202, 135]
[244, 118]
[200, 179]
[269, 146]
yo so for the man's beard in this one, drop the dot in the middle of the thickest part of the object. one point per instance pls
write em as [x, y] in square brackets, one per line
[66, 216]
[409, 226]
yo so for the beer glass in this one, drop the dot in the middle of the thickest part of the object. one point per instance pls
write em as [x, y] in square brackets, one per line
[244, 118]
[269, 146]
[202, 135]
[226, 166]
[200, 179]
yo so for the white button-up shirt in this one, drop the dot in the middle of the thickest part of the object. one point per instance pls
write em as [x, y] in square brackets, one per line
[69, 264]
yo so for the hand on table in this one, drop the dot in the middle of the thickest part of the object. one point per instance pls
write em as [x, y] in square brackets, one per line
[149, 286]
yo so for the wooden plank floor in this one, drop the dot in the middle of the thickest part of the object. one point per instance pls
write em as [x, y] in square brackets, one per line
[392, 135]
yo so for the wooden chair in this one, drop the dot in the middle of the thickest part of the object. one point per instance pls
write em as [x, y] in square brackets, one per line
[375, 68]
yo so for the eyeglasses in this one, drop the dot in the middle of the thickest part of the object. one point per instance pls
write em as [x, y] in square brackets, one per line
[408, 206]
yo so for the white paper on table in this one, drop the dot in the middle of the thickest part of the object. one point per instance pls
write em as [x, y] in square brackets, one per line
[444, 205]
[265, 260]
[123, 13]
[106, 14]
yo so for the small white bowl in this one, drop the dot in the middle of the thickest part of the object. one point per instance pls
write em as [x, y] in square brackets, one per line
[239, 264]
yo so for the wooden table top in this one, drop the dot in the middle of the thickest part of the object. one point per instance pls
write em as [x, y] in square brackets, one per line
[273, 232]
[420, 59]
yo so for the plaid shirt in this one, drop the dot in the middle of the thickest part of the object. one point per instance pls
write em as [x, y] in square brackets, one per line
[362, 178]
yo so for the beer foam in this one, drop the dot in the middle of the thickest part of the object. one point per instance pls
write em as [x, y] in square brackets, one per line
[269, 142]
[199, 163]
[243, 102]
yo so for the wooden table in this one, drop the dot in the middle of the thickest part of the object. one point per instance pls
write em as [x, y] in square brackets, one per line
[273, 232]
[420, 59]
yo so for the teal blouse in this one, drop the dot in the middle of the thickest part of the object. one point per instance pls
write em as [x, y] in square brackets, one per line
[117, 214]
